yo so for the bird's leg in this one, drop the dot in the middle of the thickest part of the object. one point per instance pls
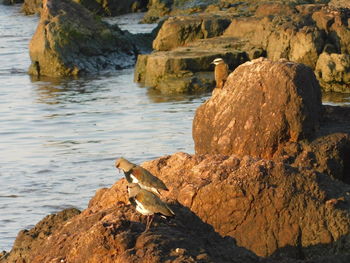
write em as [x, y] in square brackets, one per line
[149, 222]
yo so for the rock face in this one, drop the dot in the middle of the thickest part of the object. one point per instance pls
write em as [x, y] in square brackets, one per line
[265, 206]
[263, 104]
[299, 32]
[31, 7]
[69, 41]
[333, 70]
[111, 231]
[35, 238]
[179, 30]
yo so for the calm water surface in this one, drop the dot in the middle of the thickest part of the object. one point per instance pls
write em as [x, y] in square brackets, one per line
[59, 139]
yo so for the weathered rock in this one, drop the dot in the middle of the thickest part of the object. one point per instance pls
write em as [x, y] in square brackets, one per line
[113, 7]
[186, 69]
[160, 8]
[267, 207]
[111, 231]
[296, 31]
[333, 71]
[339, 3]
[179, 30]
[31, 7]
[69, 41]
[33, 239]
[276, 102]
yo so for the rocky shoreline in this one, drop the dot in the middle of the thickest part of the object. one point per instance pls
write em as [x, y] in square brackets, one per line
[270, 177]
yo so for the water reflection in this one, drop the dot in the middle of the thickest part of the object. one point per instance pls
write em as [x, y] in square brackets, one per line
[156, 96]
[336, 98]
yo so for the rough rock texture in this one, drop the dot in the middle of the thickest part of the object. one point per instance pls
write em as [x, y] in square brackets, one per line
[299, 31]
[111, 231]
[31, 7]
[160, 8]
[333, 71]
[267, 207]
[340, 3]
[35, 238]
[69, 41]
[277, 102]
[183, 71]
[179, 30]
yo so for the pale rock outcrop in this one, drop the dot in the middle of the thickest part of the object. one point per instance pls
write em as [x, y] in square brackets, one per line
[333, 71]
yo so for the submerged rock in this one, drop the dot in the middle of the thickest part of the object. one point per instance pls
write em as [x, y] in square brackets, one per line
[70, 41]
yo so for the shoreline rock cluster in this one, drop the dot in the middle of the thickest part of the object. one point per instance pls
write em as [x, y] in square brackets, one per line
[270, 177]
[287, 200]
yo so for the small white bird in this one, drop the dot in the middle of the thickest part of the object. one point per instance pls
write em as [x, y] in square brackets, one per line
[139, 175]
[220, 72]
[147, 203]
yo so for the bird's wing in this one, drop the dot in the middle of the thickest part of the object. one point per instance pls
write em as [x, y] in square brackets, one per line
[147, 178]
[128, 177]
[153, 203]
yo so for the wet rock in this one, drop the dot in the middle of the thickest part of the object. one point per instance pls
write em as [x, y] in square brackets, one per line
[333, 71]
[70, 41]
[277, 102]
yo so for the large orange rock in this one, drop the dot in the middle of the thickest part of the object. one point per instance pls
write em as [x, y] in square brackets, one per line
[265, 207]
[263, 104]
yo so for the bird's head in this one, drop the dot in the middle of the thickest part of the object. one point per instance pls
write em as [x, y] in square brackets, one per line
[133, 189]
[217, 61]
[124, 164]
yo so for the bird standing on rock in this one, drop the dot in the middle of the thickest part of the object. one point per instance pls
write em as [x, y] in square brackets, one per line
[147, 203]
[139, 175]
[220, 72]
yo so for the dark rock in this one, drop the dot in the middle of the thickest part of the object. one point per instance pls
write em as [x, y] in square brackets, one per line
[103, 8]
[11, 2]
[70, 41]
[30, 240]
